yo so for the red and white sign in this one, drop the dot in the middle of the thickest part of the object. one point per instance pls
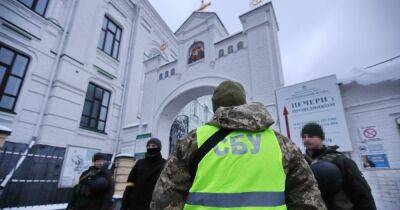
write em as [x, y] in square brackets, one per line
[369, 133]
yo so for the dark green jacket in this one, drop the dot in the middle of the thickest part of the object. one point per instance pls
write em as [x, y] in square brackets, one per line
[82, 199]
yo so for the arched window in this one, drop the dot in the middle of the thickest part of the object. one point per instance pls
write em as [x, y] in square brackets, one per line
[196, 52]
[240, 45]
[172, 72]
[160, 77]
[230, 49]
[178, 130]
[221, 53]
[166, 74]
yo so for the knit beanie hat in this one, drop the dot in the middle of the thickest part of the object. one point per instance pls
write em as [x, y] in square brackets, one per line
[227, 94]
[313, 129]
[154, 141]
[98, 156]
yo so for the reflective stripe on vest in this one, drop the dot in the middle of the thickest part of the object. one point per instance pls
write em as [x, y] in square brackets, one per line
[227, 200]
[244, 171]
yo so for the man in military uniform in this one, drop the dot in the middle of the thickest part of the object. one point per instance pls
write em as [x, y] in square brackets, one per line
[95, 188]
[354, 191]
[252, 167]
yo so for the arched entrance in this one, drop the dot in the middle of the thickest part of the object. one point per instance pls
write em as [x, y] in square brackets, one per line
[252, 58]
[176, 101]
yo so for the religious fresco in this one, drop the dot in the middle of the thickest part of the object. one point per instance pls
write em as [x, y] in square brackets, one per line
[196, 52]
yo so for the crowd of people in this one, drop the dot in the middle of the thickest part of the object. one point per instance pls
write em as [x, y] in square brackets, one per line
[235, 161]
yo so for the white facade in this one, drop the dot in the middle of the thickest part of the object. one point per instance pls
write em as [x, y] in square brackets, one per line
[377, 104]
[63, 50]
[143, 78]
[256, 65]
[144, 103]
[80, 62]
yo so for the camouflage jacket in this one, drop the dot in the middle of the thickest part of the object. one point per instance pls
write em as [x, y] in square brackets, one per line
[174, 183]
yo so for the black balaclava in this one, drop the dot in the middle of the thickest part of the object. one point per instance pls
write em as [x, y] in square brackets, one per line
[154, 152]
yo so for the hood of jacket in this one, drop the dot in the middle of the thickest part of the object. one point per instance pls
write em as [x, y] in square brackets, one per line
[249, 117]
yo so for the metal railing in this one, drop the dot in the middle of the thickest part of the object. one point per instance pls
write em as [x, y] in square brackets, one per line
[36, 181]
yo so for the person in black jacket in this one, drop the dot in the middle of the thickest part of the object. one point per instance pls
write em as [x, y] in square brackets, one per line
[143, 177]
[95, 188]
[355, 192]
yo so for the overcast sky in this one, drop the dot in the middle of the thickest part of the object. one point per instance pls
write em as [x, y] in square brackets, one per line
[317, 37]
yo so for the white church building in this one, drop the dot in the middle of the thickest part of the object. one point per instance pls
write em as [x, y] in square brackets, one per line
[106, 75]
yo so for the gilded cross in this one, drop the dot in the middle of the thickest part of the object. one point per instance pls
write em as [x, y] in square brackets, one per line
[256, 3]
[163, 47]
[203, 6]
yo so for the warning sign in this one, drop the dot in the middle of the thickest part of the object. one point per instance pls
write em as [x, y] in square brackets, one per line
[369, 133]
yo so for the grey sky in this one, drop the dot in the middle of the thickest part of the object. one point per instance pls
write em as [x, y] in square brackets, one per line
[317, 37]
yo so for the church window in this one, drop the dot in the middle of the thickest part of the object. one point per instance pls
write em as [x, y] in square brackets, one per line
[166, 74]
[13, 67]
[110, 38]
[196, 52]
[240, 45]
[94, 114]
[221, 53]
[230, 49]
[172, 72]
[38, 6]
[160, 77]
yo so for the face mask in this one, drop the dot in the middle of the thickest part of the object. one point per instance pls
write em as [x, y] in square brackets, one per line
[153, 151]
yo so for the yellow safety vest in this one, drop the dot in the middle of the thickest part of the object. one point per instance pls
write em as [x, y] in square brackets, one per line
[244, 171]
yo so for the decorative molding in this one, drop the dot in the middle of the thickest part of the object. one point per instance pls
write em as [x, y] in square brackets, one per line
[91, 134]
[105, 73]
[70, 58]
[202, 15]
[267, 23]
[118, 9]
[168, 64]
[148, 25]
[39, 79]
[27, 14]
[195, 63]
[68, 87]
[240, 33]
[19, 30]
[145, 27]
[66, 100]
[36, 92]
[136, 125]
[107, 59]
[7, 116]
[62, 117]
[268, 7]
[124, 7]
